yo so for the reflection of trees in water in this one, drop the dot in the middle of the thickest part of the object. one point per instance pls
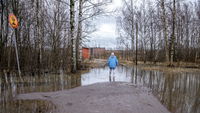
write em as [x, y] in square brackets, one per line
[127, 72]
[134, 77]
[195, 106]
[178, 92]
[46, 83]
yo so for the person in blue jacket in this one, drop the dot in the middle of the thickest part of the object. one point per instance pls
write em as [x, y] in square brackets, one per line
[112, 63]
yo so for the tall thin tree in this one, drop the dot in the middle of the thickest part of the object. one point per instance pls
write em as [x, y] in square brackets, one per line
[173, 33]
[73, 52]
[165, 32]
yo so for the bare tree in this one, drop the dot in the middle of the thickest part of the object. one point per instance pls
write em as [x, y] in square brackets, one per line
[173, 34]
[165, 30]
[72, 22]
[79, 35]
[126, 26]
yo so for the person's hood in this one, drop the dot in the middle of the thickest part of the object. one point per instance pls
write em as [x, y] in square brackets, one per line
[112, 55]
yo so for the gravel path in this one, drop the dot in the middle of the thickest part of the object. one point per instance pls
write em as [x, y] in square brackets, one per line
[107, 97]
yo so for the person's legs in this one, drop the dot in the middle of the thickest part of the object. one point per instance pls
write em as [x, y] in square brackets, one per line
[113, 72]
[110, 72]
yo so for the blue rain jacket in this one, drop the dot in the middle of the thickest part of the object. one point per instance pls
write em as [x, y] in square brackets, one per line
[112, 62]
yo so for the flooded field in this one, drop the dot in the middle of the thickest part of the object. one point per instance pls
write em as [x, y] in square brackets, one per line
[179, 92]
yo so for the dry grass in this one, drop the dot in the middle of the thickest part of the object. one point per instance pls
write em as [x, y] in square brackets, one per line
[159, 66]
[171, 69]
[178, 66]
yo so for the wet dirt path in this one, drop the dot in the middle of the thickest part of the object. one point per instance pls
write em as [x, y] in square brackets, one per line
[106, 97]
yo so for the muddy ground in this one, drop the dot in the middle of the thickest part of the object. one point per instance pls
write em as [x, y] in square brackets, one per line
[108, 97]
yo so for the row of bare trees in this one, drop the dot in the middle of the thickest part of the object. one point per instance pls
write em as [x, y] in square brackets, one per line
[50, 32]
[164, 29]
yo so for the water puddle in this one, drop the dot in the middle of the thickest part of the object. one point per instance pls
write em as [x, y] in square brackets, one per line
[27, 106]
[96, 75]
[179, 92]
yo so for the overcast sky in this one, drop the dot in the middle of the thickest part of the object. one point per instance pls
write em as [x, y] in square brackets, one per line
[106, 35]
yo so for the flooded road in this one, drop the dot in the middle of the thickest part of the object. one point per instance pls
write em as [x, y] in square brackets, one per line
[179, 92]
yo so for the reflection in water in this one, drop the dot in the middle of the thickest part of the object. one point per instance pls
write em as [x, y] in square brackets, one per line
[111, 79]
[179, 92]
[45, 83]
[28, 106]
[102, 75]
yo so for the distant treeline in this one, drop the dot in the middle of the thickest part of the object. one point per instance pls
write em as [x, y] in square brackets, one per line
[162, 30]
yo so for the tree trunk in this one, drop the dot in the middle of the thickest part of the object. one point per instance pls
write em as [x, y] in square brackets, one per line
[172, 44]
[136, 41]
[178, 34]
[144, 57]
[132, 30]
[58, 34]
[79, 37]
[165, 30]
[1, 33]
[73, 52]
[42, 35]
[159, 41]
[151, 54]
[198, 46]
[187, 36]
[154, 42]
[144, 32]
[38, 35]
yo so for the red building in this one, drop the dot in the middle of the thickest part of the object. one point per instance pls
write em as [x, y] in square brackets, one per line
[85, 53]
